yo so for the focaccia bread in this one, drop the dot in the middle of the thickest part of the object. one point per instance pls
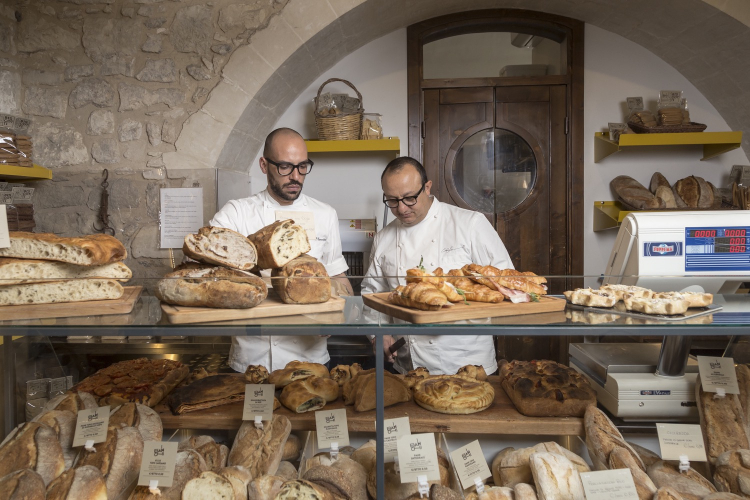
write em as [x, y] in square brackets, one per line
[280, 242]
[297, 370]
[694, 299]
[20, 271]
[621, 290]
[453, 394]
[722, 421]
[546, 389]
[260, 450]
[118, 458]
[26, 485]
[309, 394]
[32, 446]
[91, 250]
[221, 246]
[302, 280]
[207, 392]
[60, 292]
[666, 306]
[591, 298]
[85, 483]
[142, 380]
[212, 287]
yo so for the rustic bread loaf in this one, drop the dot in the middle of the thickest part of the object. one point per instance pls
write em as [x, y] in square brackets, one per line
[496, 493]
[706, 198]
[667, 493]
[621, 458]
[63, 423]
[60, 291]
[118, 458]
[32, 446]
[214, 454]
[634, 194]
[394, 391]
[743, 381]
[722, 421]
[142, 417]
[85, 483]
[299, 489]
[292, 448]
[555, 476]
[208, 486]
[515, 466]
[302, 280]
[24, 485]
[20, 271]
[240, 479]
[690, 484]
[496, 465]
[689, 191]
[647, 456]
[220, 246]
[265, 487]
[723, 496]
[602, 437]
[71, 401]
[91, 250]
[732, 472]
[212, 287]
[280, 242]
[666, 194]
[260, 450]
[287, 471]
[658, 180]
[440, 492]
[394, 488]
[524, 491]
[188, 465]
[297, 370]
[355, 473]
[334, 480]
[366, 455]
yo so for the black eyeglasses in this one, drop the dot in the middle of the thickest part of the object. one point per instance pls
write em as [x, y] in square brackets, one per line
[409, 201]
[286, 168]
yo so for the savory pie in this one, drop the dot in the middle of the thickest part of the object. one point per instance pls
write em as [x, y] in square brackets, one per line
[144, 381]
[453, 394]
[667, 306]
[591, 298]
[694, 299]
[621, 290]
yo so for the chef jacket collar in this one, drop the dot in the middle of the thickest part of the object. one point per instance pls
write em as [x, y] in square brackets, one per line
[432, 213]
[269, 202]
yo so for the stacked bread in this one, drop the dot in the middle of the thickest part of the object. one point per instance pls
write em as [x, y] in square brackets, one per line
[44, 268]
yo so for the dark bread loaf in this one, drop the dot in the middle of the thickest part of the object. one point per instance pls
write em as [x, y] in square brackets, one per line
[278, 243]
[657, 181]
[633, 193]
[688, 189]
[212, 287]
[303, 280]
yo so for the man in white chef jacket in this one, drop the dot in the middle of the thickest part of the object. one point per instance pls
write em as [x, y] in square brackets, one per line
[444, 236]
[286, 164]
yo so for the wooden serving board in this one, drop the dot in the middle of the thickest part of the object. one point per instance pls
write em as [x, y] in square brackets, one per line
[500, 418]
[123, 305]
[462, 311]
[271, 307]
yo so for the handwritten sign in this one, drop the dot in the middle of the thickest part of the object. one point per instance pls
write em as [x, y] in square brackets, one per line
[332, 427]
[470, 464]
[417, 456]
[91, 425]
[181, 214]
[718, 373]
[158, 463]
[394, 429]
[615, 484]
[258, 401]
[681, 439]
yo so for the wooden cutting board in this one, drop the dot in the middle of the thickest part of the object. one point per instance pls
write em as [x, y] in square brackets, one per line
[271, 307]
[462, 311]
[500, 418]
[123, 305]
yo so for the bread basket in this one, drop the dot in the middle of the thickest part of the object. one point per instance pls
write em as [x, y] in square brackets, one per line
[342, 126]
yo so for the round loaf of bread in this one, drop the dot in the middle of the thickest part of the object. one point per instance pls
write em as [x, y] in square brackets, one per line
[208, 486]
[356, 475]
[334, 480]
[366, 456]
[303, 280]
[524, 491]
[292, 448]
[299, 489]
[287, 471]
[212, 287]
[240, 478]
[265, 487]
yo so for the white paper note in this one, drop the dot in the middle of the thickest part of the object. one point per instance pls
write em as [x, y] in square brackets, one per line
[718, 373]
[91, 425]
[394, 429]
[158, 463]
[417, 456]
[470, 464]
[181, 214]
[332, 427]
[4, 236]
[681, 439]
[615, 484]
[258, 401]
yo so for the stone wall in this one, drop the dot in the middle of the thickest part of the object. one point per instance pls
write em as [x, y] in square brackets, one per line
[108, 84]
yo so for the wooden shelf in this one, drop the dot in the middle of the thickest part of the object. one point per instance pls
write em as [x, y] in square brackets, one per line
[366, 145]
[500, 418]
[34, 173]
[714, 143]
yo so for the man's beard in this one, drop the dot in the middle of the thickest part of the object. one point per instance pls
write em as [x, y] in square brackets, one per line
[278, 191]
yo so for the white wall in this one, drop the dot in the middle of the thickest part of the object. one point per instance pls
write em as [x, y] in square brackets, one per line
[457, 57]
[615, 68]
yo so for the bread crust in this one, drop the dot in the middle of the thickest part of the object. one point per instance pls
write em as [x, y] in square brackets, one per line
[19, 271]
[33, 446]
[302, 280]
[591, 298]
[309, 394]
[23, 485]
[722, 422]
[86, 483]
[694, 299]
[689, 484]
[91, 250]
[260, 450]
[453, 394]
[297, 370]
[280, 242]
[212, 287]
[664, 306]
[394, 391]
[59, 292]
[634, 194]
[212, 246]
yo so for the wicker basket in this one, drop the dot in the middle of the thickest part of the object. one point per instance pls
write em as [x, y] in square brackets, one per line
[667, 129]
[342, 127]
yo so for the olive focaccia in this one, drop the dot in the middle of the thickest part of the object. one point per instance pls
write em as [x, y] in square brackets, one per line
[546, 389]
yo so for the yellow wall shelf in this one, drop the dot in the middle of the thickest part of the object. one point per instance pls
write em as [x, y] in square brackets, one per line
[365, 145]
[12, 172]
[714, 143]
[610, 214]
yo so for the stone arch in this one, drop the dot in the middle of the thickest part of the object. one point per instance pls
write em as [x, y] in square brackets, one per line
[709, 46]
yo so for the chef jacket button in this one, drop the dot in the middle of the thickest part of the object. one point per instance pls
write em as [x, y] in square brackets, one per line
[295, 341]
[275, 342]
[433, 240]
[434, 216]
[431, 341]
[432, 264]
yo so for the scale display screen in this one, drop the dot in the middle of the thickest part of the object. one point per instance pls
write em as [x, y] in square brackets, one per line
[717, 249]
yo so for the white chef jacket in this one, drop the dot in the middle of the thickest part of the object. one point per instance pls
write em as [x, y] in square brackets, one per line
[448, 237]
[248, 215]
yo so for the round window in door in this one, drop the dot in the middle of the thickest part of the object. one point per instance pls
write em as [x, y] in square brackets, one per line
[494, 170]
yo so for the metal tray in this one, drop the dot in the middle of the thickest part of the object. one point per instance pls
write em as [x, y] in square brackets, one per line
[692, 313]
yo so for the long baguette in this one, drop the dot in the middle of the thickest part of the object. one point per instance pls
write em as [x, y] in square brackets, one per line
[18, 271]
[60, 291]
[92, 250]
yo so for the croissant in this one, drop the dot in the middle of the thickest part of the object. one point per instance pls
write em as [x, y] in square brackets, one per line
[419, 295]
[435, 278]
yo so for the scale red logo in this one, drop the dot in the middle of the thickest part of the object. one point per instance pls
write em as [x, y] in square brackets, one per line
[670, 248]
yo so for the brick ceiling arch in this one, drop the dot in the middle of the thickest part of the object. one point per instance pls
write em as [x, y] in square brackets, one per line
[708, 46]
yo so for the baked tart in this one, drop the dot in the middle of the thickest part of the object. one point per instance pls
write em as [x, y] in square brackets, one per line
[694, 299]
[591, 298]
[453, 394]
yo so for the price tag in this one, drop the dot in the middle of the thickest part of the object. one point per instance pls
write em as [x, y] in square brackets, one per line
[394, 429]
[470, 464]
[615, 484]
[258, 401]
[670, 98]
[331, 427]
[635, 104]
[3, 185]
[681, 439]
[6, 197]
[4, 235]
[58, 386]
[417, 456]
[22, 194]
[91, 426]
[158, 463]
[718, 373]
[304, 219]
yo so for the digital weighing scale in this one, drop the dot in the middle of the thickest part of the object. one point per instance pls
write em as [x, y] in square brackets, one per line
[626, 382]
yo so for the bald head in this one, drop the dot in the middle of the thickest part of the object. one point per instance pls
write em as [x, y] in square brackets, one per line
[278, 137]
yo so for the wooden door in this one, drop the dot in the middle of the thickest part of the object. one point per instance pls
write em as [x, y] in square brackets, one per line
[503, 151]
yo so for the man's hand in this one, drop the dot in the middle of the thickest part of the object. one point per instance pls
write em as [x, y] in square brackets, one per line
[388, 341]
[341, 285]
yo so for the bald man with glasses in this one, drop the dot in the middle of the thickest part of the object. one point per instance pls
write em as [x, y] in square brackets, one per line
[441, 235]
[286, 166]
